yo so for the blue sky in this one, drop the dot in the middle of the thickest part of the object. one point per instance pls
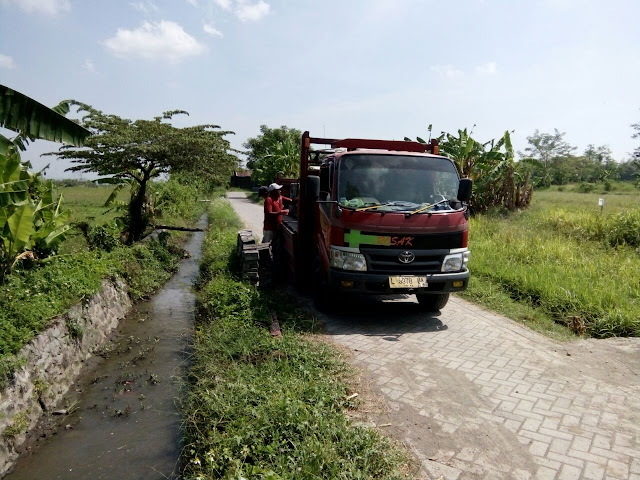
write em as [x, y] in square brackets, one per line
[373, 69]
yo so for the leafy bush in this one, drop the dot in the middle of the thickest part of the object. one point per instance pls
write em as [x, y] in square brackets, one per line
[585, 187]
[104, 237]
[275, 152]
[176, 197]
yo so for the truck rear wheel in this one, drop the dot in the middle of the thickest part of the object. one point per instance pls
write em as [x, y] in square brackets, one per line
[432, 302]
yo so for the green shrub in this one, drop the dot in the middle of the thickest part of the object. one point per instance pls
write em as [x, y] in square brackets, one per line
[586, 187]
[104, 237]
[176, 198]
[18, 425]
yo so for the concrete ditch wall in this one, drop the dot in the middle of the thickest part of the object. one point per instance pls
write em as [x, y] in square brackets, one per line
[52, 362]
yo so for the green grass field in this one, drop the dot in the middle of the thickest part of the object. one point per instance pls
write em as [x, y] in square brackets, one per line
[562, 262]
[87, 204]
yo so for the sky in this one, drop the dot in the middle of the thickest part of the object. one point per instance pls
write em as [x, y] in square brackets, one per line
[349, 68]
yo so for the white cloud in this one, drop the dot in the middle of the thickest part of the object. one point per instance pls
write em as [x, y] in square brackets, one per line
[251, 12]
[46, 7]
[145, 7]
[211, 30]
[155, 40]
[224, 4]
[447, 71]
[489, 68]
[89, 66]
[7, 62]
[193, 3]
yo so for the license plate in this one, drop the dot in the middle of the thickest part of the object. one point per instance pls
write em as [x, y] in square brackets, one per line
[407, 281]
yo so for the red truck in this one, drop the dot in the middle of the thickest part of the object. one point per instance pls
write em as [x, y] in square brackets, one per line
[377, 217]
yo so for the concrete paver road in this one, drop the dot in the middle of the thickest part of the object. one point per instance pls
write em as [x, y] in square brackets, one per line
[475, 395]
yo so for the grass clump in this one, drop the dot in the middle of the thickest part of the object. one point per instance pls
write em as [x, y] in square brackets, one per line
[18, 425]
[620, 228]
[267, 408]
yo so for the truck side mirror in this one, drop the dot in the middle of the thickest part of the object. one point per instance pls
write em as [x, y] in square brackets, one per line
[464, 189]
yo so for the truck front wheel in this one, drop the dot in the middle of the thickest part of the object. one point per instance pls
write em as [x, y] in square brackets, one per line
[432, 302]
[321, 294]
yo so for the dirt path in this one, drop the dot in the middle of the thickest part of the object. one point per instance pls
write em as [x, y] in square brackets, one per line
[474, 395]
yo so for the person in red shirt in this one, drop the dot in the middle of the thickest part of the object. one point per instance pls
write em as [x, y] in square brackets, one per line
[273, 212]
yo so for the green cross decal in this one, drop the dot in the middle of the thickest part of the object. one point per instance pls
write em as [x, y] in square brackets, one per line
[355, 238]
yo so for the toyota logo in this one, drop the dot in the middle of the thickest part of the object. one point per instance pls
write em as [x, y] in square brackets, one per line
[406, 257]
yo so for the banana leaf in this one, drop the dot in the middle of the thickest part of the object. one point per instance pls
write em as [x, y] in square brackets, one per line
[21, 227]
[33, 119]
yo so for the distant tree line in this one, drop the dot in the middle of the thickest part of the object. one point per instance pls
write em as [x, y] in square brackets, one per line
[553, 161]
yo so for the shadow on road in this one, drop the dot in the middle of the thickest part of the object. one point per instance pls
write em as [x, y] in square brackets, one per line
[387, 317]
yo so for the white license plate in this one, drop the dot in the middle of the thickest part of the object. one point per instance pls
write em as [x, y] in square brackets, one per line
[407, 281]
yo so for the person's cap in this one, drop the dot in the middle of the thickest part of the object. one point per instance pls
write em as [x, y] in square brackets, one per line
[274, 186]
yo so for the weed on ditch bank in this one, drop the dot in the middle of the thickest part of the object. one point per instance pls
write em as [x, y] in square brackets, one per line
[267, 408]
[33, 295]
[31, 298]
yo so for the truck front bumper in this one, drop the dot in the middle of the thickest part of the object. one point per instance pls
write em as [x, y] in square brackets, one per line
[377, 283]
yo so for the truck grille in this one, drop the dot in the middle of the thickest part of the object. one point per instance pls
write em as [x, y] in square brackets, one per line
[386, 260]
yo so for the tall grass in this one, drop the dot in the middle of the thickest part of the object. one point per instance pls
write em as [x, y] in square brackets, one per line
[265, 408]
[565, 275]
[620, 228]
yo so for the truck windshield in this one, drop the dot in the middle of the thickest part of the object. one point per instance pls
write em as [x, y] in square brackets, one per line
[395, 182]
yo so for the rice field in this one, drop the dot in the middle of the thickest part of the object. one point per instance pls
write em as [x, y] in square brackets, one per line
[562, 266]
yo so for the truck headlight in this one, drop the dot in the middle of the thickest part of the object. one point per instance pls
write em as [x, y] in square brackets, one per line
[455, 262]
[348, 260]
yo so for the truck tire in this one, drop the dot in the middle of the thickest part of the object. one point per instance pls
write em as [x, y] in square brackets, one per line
[432, 302]
[323, 299]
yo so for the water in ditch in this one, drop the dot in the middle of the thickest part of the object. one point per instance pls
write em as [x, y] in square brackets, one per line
[124, 421]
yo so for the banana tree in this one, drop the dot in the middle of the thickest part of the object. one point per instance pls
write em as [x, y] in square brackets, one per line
[32, 120]
[498, 180]
[32, 221]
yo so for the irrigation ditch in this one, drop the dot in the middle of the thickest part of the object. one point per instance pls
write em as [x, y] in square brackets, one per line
[103, 405]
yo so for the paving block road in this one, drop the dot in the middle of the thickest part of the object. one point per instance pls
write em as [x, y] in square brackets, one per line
[474, 395]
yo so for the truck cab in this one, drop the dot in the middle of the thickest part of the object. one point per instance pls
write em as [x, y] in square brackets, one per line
[380, 217]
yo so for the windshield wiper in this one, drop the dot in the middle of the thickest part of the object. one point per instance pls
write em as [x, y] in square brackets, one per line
[361, 209]
[426, 207]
